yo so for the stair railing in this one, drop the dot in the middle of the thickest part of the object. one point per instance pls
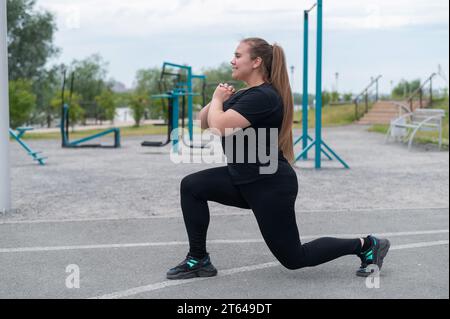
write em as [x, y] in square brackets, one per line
[419, 92]
[365, 94]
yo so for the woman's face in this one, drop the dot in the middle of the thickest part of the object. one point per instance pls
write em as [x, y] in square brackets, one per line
[242, 63]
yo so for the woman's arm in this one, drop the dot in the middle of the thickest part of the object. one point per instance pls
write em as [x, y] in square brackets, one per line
[219, 120]
[203, 116]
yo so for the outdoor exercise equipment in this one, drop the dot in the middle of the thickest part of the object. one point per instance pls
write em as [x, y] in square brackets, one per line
[318, 142]
[65, 124]
[18, 137]
[182, 89]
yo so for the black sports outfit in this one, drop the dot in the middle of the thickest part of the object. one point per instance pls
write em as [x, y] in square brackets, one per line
[270, 197]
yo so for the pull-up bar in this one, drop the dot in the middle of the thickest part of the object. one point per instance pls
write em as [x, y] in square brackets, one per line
[314, 5]
[318, 143]
[305, 138]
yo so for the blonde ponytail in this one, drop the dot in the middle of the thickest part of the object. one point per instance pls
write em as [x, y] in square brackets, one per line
[280, 81]
[276, 73]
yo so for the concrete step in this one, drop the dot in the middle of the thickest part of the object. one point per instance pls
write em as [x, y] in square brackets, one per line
[384, 104]
[383, 112]
[384, 107]
[378, 116]
[393, 114]
[371, 122]
[365, 122]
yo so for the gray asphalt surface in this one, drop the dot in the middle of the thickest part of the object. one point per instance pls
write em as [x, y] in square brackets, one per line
[156, 244]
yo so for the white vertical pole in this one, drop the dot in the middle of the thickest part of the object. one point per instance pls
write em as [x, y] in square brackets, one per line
[5, 186]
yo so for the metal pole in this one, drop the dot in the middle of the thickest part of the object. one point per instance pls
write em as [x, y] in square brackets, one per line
[420, 98]
[190, 105]
[5, 182]
[63, 112]
[431, 91]
[319, 87]
[175, 119]
[366, 98]
[318, 142]
[337, 84]
[292, 75]
[377, 90]
[305, 87]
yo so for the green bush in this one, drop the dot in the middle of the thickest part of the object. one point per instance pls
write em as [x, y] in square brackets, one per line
[21, 102]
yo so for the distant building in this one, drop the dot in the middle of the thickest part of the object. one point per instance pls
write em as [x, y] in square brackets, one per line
[119, 87]
[123, 115]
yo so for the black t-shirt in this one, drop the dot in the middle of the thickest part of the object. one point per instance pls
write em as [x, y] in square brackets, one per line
[262, 106]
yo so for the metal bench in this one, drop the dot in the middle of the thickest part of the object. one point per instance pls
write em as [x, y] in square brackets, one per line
[406, 126]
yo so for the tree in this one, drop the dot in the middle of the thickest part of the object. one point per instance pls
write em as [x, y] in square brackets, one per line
[46, 87]
[30, 39]
[138, 104]
[89, 82]
[106, 102]
[222, 73]
[298, 98]
[76, 112]
[22, 101]
[334, 96]
[404, 89]
[147, 81]
[147, 84]
[348, 97]
[326, 98]
[90, 76]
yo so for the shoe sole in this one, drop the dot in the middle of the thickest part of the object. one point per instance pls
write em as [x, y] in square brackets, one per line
[209, 271]
[385, 244]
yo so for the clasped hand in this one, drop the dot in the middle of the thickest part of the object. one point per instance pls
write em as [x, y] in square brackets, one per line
[223, 92]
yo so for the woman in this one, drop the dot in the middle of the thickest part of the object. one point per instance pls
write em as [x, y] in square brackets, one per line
[265, 103]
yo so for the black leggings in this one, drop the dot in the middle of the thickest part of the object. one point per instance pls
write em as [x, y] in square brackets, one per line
[272, 201]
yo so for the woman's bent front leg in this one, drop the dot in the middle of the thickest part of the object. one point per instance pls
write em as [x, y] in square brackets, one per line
[196, 190]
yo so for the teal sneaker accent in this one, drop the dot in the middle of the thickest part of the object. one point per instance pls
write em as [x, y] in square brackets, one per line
[374, 255]
[192, 262]
[192, 267]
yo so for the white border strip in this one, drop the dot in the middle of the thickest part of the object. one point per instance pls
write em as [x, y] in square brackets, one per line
[229, 272]
[183, 243]
[171, 283]
[420, 245]
[169, 216]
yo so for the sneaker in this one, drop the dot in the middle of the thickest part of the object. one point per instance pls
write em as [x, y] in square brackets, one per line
[193, 267]
[373, 256]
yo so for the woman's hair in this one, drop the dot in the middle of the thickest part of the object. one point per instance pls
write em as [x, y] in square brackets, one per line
[276, 73]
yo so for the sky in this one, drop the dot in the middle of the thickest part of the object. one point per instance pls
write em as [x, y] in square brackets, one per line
[401, 39]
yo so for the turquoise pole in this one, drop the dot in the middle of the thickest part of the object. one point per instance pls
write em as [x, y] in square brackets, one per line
[175, 133]
[319, 87]
[318, 143]
[190, 105]
[305, 87]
